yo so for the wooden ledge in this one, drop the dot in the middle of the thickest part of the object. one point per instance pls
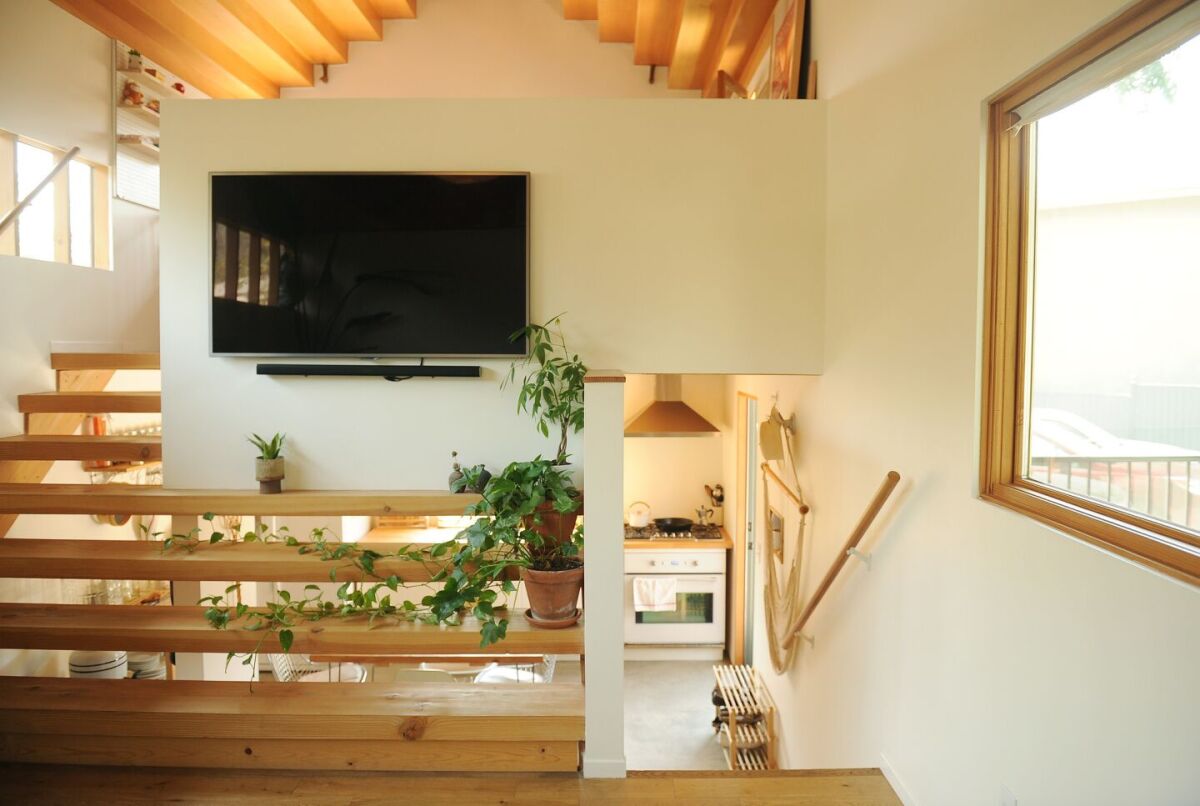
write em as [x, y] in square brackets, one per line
[236, 710]
[604, 376]
[131, 499]
[184, 629]
[22, 558]
[78, 361]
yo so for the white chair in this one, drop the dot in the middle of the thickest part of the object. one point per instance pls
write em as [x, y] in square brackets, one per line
[298, 668]
[541, 673]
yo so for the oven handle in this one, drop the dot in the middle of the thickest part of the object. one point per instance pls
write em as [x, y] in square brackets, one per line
[683, 578]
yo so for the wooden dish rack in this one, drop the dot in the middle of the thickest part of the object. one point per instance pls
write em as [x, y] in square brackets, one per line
[746, 723]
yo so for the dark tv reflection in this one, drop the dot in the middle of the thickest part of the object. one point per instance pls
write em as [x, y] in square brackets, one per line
[369, 264]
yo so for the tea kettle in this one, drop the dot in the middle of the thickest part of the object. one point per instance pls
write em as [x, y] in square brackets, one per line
[639, 514]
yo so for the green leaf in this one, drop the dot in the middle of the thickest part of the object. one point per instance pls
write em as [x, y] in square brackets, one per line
[285, 640]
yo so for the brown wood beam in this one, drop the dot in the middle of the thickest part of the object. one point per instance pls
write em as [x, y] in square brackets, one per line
[656, 30]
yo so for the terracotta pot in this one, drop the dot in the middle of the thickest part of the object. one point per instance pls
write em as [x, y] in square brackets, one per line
[556, 526]
[269, 473]
[553, 596]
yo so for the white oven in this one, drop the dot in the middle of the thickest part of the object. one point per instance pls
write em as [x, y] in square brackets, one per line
[699, 615]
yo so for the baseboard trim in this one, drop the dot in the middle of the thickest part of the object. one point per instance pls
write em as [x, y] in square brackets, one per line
[603, 767]
[895, 781]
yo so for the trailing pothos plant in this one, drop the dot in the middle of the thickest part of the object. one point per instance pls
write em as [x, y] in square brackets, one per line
[473, 569]
[552, 387]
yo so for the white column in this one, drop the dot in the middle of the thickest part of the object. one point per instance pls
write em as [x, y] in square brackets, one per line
[604, 580]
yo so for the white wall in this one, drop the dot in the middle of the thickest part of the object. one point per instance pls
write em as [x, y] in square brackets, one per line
[489, 49]
[982, 650]
[627, 214]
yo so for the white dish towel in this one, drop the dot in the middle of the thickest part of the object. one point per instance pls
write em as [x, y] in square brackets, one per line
[654, 594]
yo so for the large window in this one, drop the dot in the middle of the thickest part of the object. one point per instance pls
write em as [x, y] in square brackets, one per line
[1092, 342]
[67, 220]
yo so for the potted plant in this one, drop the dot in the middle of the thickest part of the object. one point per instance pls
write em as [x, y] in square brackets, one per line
[552, 387]
[527, 517]
[268, 467]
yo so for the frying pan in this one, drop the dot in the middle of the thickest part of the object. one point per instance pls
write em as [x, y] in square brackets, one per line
[673, 525]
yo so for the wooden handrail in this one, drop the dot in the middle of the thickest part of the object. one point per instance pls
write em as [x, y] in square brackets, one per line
[864, 523]
[766, 468]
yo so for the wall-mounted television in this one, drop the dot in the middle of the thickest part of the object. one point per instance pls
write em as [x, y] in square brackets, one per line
[370, 264]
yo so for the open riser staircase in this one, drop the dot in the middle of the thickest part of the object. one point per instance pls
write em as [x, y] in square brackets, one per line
[223, 724]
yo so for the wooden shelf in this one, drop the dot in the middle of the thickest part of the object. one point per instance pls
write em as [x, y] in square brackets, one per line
[145, 559]
[153, 86]
[75, 361]
[342, 726]
[140, 150]
[184, 629]
[142, 112]
[89, 402]
[133, 499]
[42, 447]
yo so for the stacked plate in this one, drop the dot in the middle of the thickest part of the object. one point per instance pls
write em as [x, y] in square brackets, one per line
[104, 664]
[147, 666]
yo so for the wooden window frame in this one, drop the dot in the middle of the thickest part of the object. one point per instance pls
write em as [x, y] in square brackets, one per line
[62, 214]
[1007, 324]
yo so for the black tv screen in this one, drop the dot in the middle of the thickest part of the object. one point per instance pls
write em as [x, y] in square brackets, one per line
[353, 264]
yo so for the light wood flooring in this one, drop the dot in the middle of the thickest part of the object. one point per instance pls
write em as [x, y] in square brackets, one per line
[77, 785]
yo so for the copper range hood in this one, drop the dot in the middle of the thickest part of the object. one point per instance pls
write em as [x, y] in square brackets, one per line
[668, 415]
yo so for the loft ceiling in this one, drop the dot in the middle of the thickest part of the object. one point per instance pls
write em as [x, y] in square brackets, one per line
[241, 48]
[696, 39]
[251, 48]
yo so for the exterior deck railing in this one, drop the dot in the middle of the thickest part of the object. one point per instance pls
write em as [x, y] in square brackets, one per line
[1164, 487]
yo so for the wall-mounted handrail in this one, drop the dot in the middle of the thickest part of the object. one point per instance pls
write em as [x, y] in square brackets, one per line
[864, 523]
[12, 214]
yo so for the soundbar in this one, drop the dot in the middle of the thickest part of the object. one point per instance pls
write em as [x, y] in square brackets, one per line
[391, 372]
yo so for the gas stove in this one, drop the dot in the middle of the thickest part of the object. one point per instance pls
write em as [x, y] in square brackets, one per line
[697, 532]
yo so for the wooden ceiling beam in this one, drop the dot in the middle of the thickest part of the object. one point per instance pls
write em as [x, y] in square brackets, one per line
[656, 30]
[183, 25]
[580, 9]
[290, 68]
[725, 21]
[701, 22]
[618, 20]
[752, 19]
[303, 24]
[121, 19]
[396, 9]
[353, 19]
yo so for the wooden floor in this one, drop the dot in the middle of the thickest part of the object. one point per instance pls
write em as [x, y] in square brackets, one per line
[75, 785]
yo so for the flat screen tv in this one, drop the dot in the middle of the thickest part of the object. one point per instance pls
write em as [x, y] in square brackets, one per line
[369, 264]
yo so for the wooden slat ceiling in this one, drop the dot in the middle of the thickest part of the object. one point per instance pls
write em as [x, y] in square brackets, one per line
[696, 39]
[242, 48]
[251, 48]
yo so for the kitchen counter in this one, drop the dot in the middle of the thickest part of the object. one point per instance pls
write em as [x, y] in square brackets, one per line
[667, 543]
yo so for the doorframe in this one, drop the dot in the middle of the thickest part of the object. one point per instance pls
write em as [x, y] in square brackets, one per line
[738, 590]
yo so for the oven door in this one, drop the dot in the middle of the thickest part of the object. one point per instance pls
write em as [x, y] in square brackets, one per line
[698, 618]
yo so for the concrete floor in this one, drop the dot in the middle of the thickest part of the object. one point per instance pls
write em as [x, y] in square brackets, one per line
[668, 716]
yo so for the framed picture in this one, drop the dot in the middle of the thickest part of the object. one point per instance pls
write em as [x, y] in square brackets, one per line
[785, 49]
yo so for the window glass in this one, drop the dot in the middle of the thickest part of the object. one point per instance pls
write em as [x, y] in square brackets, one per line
[1115, 398]
[79, 184]
[35, 226]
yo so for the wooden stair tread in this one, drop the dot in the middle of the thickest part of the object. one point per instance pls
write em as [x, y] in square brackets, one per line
[22, 558]
[184, 629]
[135, 499]
[227, 709]
[54, 447]
[77, 361]
[89, 402]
